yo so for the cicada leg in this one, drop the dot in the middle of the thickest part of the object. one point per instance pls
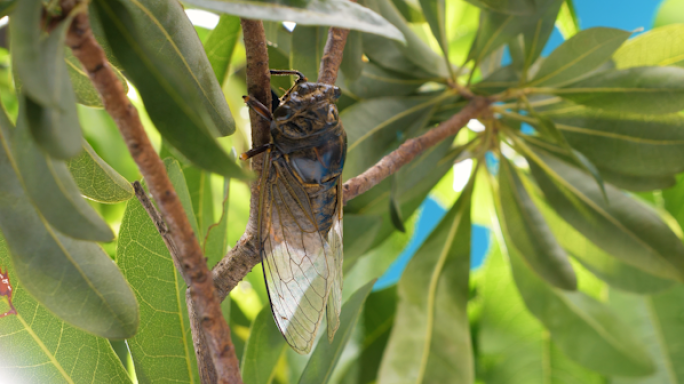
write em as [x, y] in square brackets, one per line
[256, 106]
[287, 72]
[255, 151]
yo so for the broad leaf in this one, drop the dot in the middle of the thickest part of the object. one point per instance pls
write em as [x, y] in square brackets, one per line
[96, 179]
[374, 82]
[324, 358]
[586, 330]
[42, 75]
[352, 57]
[264, 347]
[530, 235]
[513, 346]
[76, 280]
[646, 90]
[662, 46]
[307, 49]
[334, 13]
[431, 319]
[170, 95]
[579, 55]
[36, 346]
[536, 35]
[162, 349]
[607, 268]
[169, 37]
[623, 227]
[220, 46]
[84, 89]
[623, 142]
[374, 126]
[359, 233]
[52, 189]
[656, 321]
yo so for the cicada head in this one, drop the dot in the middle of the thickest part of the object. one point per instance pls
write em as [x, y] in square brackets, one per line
[306, 109]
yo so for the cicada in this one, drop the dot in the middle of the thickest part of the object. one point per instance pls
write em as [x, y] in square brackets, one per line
[300, 209]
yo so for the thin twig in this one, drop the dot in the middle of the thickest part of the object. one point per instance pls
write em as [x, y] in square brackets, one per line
[412, 148]
[194, 268]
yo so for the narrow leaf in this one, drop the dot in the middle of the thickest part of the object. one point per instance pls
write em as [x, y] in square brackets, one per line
[177, 178]
[646, 90]
[324, 358]
[431, 319]
[162, 348]
[343, 14]
[375, 81]
[221, 44]
[200, 190]
[585, 329]
[36, 346]
[75, 280]
[97, 180]
[170, 96]
[352, 57]
[625, 228]
[579, 55]
[435, 14]
[530, 235]
[53, 191]
[216, 240]
[513, 7]
[568, 22]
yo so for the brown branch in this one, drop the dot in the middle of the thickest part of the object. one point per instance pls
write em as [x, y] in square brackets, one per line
[194, 268]
[412, 148]
[332, 54]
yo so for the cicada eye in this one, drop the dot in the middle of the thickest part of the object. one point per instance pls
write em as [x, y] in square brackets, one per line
[338, 93]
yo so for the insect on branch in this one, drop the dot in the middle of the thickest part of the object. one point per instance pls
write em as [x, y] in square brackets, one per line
[194, 268]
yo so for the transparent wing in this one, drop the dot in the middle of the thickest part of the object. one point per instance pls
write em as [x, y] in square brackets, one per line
[298, 264]
[334, 307]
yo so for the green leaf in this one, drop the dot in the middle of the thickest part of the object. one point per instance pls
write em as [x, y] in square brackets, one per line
[216, 240]
[662, 46]
[638, 183]
[378, 319]
[669, 13]
[601, 264]
[162, 348]
[42, 75]
[536, 35]
[513, 7]
[498, 81]
[567, 22]
[623, 142]
[177, 178]
[579, 55]
[435, 14]
[199, 187]
[86, 93]
[359, 234]
[52, 189]
[334, 13]
[374, 126]
[513, 346]
[526, 228]
[585, 329]
[74, 279]
[431, 319]
[496, 29]
[646, 90]
[416, 54]
[324, 358]
[7, 6]
[624, 228]
[170, 38]
[97, 180]
[36, 346]
[656, 321]
[352, 57]
[264, 347]
[171, 99]
[376, 82]
[307, 49]
[220, 46]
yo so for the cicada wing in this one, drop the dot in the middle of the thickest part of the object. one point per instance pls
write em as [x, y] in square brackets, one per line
[297, 262]
[334, 307]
